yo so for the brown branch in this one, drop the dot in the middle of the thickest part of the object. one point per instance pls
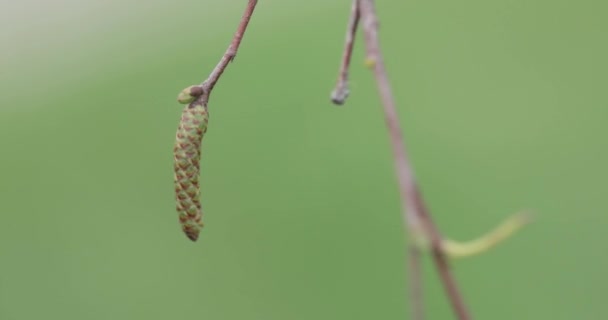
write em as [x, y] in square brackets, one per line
[228, 56]
[338, 97]
[415, 283]
[416, 214]
[340, 93]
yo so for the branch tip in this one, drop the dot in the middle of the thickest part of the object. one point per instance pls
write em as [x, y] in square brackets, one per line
[341, 91]
[339, 95]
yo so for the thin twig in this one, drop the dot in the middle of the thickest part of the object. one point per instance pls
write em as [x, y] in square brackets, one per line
[338, 97]
[228, 56]
[415, 283]
[340, 93]
[415, 210]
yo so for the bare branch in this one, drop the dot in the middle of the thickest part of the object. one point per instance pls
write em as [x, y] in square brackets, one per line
[416, 293]
[415, 211]
[230, 53]
[228, 56]
[340, 93]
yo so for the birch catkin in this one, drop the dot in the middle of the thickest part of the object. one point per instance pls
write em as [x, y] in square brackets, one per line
[187, 155]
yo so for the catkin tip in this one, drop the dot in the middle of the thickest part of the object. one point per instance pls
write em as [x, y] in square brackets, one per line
[192, 234]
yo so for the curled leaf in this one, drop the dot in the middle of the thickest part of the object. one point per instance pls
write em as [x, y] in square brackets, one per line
[486, 242]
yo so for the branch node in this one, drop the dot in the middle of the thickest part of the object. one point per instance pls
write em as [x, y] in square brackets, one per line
[370, 62]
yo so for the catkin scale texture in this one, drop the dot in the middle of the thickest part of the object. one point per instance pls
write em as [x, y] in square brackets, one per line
[187, 156]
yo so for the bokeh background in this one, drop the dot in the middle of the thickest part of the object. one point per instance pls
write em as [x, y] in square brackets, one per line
[504, 105]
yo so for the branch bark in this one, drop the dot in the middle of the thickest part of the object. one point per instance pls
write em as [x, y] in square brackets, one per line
[202, 95]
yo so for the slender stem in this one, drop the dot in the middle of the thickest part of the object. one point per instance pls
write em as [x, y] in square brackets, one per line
[413, 204]
[341, 91]
[230, 53]
[416, 294]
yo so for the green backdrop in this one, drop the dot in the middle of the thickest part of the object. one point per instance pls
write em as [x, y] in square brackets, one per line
[504, 106]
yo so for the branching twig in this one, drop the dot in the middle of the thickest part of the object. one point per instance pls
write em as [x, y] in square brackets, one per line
[415, 210]
[338, 96]
[340, 93]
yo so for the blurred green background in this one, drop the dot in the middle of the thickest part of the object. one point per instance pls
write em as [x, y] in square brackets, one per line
[504, 105]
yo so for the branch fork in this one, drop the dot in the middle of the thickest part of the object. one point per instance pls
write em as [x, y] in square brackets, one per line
[423, 233]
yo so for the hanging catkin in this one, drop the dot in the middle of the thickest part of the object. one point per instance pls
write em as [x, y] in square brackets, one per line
[187, 156]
